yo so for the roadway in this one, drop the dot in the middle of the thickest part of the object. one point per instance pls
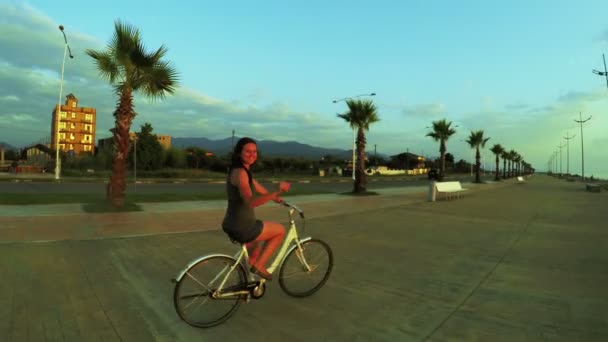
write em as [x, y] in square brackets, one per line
[506, 262]
[313, 184]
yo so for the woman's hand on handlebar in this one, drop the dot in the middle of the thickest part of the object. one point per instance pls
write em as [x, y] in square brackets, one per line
[284, 186]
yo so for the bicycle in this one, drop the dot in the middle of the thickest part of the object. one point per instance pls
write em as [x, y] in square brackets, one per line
[218, 278]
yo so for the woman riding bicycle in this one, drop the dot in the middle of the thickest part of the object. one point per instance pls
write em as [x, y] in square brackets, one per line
[240, 222]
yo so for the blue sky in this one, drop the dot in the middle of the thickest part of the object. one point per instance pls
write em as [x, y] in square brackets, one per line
[519, 70]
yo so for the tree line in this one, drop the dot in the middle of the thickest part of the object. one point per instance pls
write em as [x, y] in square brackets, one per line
[130, 68]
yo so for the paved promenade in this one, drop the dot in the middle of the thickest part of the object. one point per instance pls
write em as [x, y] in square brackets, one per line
[506, 262]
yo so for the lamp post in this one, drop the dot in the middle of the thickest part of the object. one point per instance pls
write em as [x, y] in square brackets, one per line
[375, 156]
[602, 73]
[354, 136]
[581, 121]
[556, 152]
[58, 112]
[568, 153]
[560, 159]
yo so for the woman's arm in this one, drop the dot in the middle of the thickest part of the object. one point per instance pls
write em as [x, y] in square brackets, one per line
[259, 188]
[240, 179]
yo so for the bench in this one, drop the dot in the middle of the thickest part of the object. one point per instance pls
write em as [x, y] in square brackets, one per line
[449, 188]
[520, 179]
[593, 187]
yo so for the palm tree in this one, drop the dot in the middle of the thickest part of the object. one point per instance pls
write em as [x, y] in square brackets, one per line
[442, 132]
[129, 67]
[512, 155]
[518, 158]
[476, 140]
[505, 156]
[361, 114]
[497, 149]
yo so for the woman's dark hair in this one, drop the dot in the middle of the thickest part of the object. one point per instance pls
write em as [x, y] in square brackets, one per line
[236, 161]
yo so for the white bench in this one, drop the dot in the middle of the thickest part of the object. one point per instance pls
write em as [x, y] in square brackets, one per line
[593, 187]
[520, 179]
[449, 188]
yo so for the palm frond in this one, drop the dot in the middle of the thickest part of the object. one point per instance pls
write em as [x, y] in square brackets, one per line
[160, 81]
[476, 139]
[158, 54]
[442, 130]
[361, 114]
[105, 63]
[124, 42]
[140, 59]
[484, 142]
[497, 149]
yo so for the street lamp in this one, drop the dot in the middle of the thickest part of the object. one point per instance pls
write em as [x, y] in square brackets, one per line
[602, 73]
[568, 153]
[353, 97]
[556, 152]
[58, 112]
[354, 137]
[581, 121]
[560, 159]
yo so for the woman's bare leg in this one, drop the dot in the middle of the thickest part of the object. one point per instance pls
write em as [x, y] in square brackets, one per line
[273, 233]
[254, 248]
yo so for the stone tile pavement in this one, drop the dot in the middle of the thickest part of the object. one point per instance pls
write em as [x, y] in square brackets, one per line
[506, 262]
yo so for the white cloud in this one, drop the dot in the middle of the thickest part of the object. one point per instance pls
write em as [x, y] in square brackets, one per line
[34, 80]
[22, 117]
[11, 98]
[430, 110]
[30, 66]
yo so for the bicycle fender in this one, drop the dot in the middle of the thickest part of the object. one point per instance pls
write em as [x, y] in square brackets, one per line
[197, 260]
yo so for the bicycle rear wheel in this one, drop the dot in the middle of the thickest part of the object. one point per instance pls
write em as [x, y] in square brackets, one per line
[295, 277]
[193, 294]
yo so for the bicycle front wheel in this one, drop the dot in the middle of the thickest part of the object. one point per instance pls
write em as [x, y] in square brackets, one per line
[196, 297]
[304, 271]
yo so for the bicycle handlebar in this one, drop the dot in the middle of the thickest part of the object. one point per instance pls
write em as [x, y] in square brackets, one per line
[284, 203]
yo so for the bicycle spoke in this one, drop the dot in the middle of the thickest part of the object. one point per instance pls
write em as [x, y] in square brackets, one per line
[305, 270]
[197, 297]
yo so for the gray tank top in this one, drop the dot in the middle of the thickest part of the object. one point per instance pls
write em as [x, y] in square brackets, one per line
[239, 216]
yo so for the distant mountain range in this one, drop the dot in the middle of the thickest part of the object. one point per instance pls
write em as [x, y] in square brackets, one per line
[268, 148]
[6, 146]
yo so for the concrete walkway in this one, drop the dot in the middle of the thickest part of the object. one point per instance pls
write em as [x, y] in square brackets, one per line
[507, 262]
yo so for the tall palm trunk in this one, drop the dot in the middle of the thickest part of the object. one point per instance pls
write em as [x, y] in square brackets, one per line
[497, 171]
[477, 165]
[442, 150]
[518, 168]
[360, 176]
[124, 115]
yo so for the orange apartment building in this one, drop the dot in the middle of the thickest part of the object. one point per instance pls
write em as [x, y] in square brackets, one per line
[76, 127]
